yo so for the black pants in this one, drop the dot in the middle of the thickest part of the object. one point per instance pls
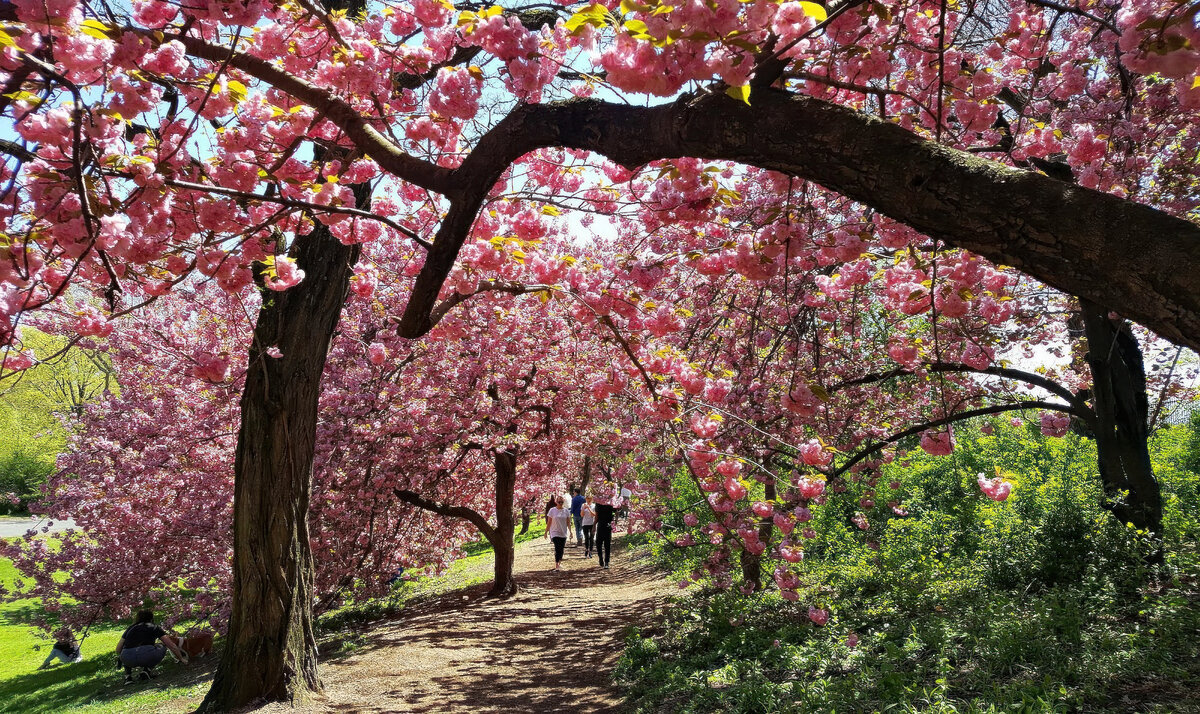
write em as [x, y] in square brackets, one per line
[587, 540]
[603, 543]
[560, 542]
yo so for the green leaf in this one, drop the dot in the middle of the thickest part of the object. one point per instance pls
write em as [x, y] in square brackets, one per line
[637, 27]
[742, 93]
[97, 29]
[237, 91]
[814, 10]
[593, 14]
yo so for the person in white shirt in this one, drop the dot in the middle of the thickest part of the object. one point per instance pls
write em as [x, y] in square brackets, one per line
[557, 528]
[588, 514]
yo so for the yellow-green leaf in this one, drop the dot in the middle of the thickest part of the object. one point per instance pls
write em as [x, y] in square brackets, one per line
[814, 11]
[1196, 82]
[7, 40]
[237, 90]
[636, 27]
[550, 210]
[593, 14]
[95, 28]
[742, 93]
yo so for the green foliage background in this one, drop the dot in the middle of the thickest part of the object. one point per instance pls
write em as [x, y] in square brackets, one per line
[35, 407]
[1041, 603]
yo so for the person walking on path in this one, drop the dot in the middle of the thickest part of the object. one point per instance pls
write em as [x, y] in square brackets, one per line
[604, 528]
[136, 647]
[557, 526]
[576, 504]
[588, 512]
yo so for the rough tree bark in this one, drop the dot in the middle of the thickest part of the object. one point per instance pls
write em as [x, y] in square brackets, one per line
[1064, 235]
[503, 583]
[271, 650]
[1121, 407]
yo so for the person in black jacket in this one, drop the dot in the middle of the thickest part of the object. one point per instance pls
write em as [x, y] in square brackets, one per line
[65, 650]
[605, 517]
[137, 647]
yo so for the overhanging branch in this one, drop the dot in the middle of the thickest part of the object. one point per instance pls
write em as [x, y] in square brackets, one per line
[960, 416]
[443, 509]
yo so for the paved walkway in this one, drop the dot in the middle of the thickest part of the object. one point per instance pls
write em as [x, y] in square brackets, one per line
[17, 527]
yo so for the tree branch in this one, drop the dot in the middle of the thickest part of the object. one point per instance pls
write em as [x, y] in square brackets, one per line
[1066, 236]
[960, 416]
[442, 509]
[338, 111]
[1007, 372]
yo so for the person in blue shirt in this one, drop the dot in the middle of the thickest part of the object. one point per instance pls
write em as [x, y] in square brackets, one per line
[576, 505]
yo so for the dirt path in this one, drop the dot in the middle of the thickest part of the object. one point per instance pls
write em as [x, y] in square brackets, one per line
[550, 648]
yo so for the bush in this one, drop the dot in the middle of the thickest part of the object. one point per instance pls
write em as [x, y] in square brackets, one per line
[1041, 603]
[21, 477]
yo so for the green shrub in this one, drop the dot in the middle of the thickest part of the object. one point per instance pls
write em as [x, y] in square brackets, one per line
[1041, 603]
[21, 476]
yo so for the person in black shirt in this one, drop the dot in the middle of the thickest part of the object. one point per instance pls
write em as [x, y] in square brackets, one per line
[604, 528]
[137, 647]
[65, 650]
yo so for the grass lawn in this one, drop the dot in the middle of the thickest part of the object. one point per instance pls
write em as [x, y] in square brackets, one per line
[95, 685]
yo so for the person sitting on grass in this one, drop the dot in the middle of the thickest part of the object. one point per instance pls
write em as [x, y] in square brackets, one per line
[65, 650]
[137, 648]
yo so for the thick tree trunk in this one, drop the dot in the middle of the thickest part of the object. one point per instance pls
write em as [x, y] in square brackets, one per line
[271, 650]
[524, 522]
[503, 584]
[1119, 398]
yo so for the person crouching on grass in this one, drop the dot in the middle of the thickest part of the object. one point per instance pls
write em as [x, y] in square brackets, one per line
[557, 528]
[137, 647]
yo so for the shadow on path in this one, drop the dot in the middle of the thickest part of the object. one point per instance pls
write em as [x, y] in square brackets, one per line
[549, 648]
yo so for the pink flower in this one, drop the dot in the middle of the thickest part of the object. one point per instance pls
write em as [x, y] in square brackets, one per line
[18, 361]
[286, 274]
[1055, 424]
[818, 615]
[729, 468]
[376, 353]
[814, 453]
[211, 368]
[938, 443]
[852, 640]
[810, 488]
[996, 489]
[762, 509]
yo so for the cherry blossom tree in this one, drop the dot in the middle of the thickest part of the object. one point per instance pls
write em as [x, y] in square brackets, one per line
[246, 141]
